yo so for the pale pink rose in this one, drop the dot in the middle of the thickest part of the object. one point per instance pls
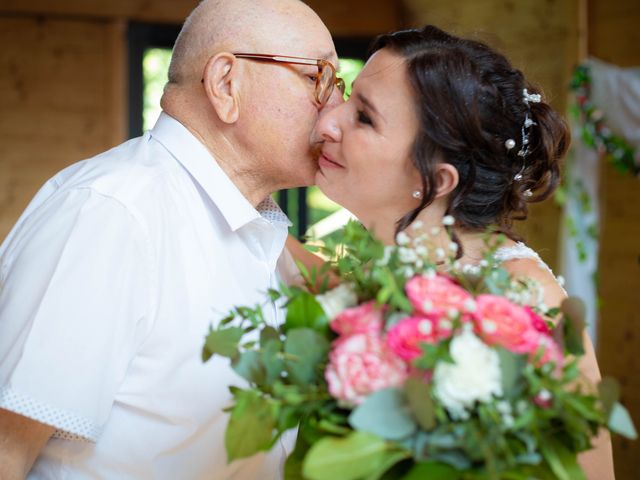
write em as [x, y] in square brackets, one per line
[538, 322]
[405, 337]
[436, 296]
[365, 318]
[500, 322]
[361, 364]
[551, 352]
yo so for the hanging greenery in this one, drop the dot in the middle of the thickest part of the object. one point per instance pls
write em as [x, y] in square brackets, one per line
[594, 130]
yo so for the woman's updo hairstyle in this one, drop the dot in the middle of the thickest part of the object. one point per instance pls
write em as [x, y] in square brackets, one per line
[471, 109]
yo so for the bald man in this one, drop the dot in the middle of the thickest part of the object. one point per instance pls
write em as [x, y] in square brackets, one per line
[111, 277]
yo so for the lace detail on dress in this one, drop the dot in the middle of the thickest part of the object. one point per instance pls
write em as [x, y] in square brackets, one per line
[520, 250]
[70, 425]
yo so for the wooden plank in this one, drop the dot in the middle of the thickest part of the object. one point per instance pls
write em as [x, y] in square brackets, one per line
[614, 32]
[347, 17]
[59, 101]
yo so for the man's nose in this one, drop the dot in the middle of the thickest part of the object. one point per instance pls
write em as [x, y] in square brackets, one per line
[327, 128]
[336, 98]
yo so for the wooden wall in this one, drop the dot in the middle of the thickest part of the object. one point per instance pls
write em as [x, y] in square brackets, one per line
[614, 36]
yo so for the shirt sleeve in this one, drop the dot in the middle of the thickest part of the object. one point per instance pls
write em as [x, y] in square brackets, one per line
[74, 296]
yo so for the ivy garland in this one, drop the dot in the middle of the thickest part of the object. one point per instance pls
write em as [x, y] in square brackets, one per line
[594, 131]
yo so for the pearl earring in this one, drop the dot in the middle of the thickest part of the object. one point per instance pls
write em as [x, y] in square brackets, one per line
[416, 194]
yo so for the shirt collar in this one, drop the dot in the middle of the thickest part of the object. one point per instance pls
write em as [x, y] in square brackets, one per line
[204, 168]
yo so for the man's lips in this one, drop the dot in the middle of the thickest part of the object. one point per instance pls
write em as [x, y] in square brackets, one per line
[325, 161]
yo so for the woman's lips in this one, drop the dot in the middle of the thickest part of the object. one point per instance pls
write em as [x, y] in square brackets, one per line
[324, 161]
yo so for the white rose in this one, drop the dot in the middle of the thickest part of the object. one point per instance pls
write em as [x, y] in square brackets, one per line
[475, 375]
[338, 299]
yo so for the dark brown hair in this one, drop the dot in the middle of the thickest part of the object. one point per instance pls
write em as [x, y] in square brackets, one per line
[469, 103]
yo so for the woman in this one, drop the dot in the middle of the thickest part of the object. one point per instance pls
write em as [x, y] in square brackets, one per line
[443, 126]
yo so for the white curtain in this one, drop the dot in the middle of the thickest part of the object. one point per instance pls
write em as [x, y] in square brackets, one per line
[616, 92]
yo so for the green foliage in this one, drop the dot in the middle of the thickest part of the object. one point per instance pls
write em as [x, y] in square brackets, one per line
[535, 429]
[356, 456]
[306, 350]
[251, 425]
[384, 413]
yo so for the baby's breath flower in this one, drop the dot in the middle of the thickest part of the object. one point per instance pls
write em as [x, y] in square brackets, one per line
[407, 255]
[440, 253]
[417, 225]
[453, 246]
[402, 238]
[489, 326]
[425, 327]
[435, 231]
[448, 220]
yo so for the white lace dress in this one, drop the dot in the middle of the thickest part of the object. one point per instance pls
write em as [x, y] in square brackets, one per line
[520, 251]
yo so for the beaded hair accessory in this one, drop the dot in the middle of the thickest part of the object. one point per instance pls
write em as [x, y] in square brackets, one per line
[528, 123]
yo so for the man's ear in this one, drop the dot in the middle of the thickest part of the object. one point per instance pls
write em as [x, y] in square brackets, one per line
[447, 179]
[220, 79]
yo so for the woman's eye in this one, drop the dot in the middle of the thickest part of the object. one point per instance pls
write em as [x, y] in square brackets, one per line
[364, 118]
[313, 78]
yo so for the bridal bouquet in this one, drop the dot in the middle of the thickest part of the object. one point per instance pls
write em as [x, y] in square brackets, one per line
[415, 367]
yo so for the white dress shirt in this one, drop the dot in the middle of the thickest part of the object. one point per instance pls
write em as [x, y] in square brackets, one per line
[108, 284]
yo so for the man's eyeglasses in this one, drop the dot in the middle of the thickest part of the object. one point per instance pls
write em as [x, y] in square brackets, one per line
[325, 81]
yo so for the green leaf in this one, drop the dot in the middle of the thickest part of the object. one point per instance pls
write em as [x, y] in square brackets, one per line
[307, 349]
[609, 391]
[389, 460]
[512, 366]
[432, 471]
[420, 402]
[350, 458]
[303, 310]
[222, 342]
[620, 422]
[272, 360]
[562, 461]
[384, 413]
[574, 311]
[249, 367]
[251, 425]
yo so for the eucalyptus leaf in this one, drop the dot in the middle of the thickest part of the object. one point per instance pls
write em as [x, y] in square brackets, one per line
[511, 367]
[306, 349]
[609, 391]
[358, 455]
[249, 367]
[420, 402]
[620, 422]
[222, 342]
[384, 413]
[574, 310]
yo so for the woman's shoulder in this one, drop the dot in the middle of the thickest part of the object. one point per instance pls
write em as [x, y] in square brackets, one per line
[521, 261]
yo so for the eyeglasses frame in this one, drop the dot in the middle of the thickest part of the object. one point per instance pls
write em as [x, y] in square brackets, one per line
[318, 62]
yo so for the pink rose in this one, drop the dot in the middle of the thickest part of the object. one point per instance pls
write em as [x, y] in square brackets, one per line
[405, 337]
[500, 322]
[436, 296]
[537, 321]
[551, 352]
[361, 364]
[365, 318]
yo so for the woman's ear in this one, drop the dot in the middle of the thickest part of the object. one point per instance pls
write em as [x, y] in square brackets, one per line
[220, 79]
[447, 179]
